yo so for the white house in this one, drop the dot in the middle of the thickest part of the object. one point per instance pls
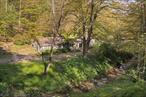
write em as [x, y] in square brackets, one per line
[45, 43]
[78, 44]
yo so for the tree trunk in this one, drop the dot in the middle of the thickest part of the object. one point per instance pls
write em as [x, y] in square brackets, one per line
[6, 5]
[19, 21]
[45, 68]
[84, 46]
[55, 29]
[89, 37]
[145, 17]
[48, 64]
[90, 29]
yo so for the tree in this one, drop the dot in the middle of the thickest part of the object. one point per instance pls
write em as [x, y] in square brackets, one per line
[58, 14]
[87, 12]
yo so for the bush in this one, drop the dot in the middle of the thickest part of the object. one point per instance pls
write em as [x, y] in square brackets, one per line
[22, 39]
[79, 69]
[107, 52]
[3, 89]
[33, 93]
[124, 56]
[63, 50]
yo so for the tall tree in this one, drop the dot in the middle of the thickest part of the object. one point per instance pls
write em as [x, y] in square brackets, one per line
[87, 12]
[58, 14]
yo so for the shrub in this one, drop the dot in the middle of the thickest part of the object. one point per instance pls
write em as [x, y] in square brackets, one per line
[33, 93]
[107, 52]
[79, 69]
[3, 89]
[22, 39]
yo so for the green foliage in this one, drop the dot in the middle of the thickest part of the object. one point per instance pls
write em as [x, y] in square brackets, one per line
[3, 89]
[107, 52]
[33, 93]
[34, 16]
[66, 46]
[119, 88]
[79, 69]
[133, 75]
[63, 50]
[7, 24]
[28, 75]
[22, 39]
[136, 90]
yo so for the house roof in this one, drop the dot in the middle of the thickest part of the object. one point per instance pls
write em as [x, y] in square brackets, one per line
[47, 41]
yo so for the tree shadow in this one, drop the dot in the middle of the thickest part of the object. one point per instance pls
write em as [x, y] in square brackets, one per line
[5, 56]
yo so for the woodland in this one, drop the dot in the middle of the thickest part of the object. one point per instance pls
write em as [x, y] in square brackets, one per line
[72, 48]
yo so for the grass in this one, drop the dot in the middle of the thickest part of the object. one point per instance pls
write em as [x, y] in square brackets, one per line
[19, 49]
[23, 49]
[5, 56]
[118, 88]
[28, 75]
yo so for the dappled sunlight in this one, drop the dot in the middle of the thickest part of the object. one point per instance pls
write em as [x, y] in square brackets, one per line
[61, 74]
[72, 48]
[31, 67]
[23, 49]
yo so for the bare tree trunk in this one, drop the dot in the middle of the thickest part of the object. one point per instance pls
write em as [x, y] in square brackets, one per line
[84, 46]
[90, 29]
[94, 10]
[141, 41]
[1, 6]
[6, 5]
[145, 17]
[144, 32]
[55, 30]
[47, 65]
[19, 21]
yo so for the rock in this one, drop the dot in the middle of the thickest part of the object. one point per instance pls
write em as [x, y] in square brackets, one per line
[76, 90]
[86, 86]
[100, 84]
[104, 79]
[111, 76]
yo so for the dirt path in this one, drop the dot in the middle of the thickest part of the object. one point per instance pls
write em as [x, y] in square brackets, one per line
[14, 57]
[65, 56]
[57, 57]
[10, 53]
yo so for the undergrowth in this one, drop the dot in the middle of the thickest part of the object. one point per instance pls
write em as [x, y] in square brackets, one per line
[27, 76]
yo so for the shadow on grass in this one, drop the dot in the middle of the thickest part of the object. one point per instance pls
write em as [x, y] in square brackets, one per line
[28, 75]
[5, 56]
